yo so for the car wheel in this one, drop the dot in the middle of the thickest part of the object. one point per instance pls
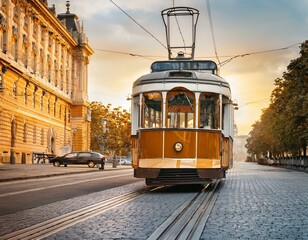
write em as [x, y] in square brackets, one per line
[91, 164]
[56, 163]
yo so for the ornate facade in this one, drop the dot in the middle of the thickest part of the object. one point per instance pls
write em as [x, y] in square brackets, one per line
[44, 61]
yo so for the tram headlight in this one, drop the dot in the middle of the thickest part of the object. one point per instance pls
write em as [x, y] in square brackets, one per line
[178, 147]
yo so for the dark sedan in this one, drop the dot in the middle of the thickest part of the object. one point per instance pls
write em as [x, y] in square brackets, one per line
[89, 158]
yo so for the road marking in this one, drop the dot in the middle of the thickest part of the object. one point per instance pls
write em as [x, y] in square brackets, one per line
[60, 185]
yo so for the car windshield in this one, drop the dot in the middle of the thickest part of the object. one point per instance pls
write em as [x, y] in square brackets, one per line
[84, 155]
[71, 155]
[97, 155]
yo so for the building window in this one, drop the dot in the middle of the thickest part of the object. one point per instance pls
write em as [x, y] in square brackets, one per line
[15, 89]
[1, 80]
[48, 105]
[13, 132]
[34, 134]
[2, 34]
[40, 65]
[42, 102]
[26, 94]
[3, 70]
[55, 107]
[3, 3]
[42, 136]
[48, 70]
[25, 132]
[61, 78]
[60, 112]
[34, 98]
[69, 115]
[14, 43]
[26, 22]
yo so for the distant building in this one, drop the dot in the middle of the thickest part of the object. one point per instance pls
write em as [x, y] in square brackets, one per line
[44, 61]
[239, 150]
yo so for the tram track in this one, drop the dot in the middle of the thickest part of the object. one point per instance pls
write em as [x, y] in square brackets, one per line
[189, 220]
[54, 225]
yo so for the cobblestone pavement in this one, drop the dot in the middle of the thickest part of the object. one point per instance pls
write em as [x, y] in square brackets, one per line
[254, 202]
[260, 202]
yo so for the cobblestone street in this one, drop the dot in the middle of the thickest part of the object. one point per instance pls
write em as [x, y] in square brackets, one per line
[254, 202]
[260, 202]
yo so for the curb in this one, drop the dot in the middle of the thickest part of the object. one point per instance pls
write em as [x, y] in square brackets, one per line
[57, 174]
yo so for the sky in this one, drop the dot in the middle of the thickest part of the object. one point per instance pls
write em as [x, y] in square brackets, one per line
[240, 27]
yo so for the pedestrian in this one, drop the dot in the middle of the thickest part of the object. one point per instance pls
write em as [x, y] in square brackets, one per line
[103, 163]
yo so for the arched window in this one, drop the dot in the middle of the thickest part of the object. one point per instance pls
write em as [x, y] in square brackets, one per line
[181, 108]
[152, 110]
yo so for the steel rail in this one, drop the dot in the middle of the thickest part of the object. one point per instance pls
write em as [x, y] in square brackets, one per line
[54, 225]
[189, 220]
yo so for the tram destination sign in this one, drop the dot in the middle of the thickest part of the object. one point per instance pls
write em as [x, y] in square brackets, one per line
[202, 65]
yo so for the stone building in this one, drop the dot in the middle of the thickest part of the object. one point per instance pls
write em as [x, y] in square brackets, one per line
[239, 149]
[44, 61]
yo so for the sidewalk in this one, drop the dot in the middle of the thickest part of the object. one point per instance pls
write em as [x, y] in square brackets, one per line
[9, 172]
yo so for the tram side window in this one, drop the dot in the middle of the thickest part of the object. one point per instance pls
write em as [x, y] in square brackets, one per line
[181, 109]
[152, 110]
[209, 111]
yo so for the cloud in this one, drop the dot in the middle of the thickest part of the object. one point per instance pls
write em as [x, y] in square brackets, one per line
[239, 26]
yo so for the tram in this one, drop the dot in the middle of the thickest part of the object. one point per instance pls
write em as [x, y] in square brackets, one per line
[182, 123]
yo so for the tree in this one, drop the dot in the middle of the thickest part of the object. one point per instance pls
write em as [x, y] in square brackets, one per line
[283, 126]
[117, 139]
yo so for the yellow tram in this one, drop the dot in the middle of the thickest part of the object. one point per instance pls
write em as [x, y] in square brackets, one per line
[182, 123]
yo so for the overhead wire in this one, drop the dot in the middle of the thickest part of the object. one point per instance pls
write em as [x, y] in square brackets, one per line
[264, 100]
[231, 57]
[138, 24]
[259, 52]
[212, 29]
[127, 53]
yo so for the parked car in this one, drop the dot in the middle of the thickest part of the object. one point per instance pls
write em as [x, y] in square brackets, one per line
[89, 158]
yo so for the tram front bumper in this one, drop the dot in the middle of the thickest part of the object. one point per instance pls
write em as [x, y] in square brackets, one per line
[154, 173]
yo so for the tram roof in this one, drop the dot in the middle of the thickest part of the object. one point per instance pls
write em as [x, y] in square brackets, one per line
[187, 76]
[194, 75]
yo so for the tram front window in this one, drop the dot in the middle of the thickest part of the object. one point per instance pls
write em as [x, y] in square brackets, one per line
[152, 110]
[209, 111]
[180, 109]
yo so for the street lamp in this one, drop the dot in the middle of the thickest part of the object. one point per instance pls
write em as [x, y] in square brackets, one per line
[104, 128]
